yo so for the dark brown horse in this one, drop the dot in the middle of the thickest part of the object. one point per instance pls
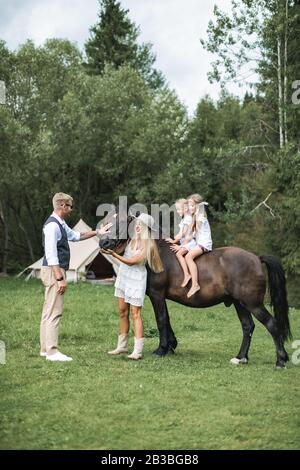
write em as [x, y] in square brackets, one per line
[229, 275]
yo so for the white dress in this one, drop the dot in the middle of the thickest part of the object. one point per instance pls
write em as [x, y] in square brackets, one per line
[203, 233]
[131, 281]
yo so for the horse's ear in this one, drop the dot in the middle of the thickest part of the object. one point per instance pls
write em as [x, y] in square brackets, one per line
[132, 216]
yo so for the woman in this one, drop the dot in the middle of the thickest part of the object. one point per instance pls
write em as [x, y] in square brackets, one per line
[131, 282]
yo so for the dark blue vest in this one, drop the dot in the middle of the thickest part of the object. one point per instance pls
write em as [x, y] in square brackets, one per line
[63, 249]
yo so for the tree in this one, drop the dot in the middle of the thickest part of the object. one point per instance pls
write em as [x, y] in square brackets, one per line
[37, 79]
[255, 39]
[113, 42]
[117, 134]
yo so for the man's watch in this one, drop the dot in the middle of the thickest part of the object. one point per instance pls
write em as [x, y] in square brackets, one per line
[60, 279]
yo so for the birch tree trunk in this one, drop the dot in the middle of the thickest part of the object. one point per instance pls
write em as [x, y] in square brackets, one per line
[285, 84]
[280, 104]
[6, 239]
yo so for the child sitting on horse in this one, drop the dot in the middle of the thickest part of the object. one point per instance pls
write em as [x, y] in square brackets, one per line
[130, 285]
[200, 242]
[182, 209]
[184, 236]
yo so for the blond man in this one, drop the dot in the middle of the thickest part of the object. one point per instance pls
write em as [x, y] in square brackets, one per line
[56, 235]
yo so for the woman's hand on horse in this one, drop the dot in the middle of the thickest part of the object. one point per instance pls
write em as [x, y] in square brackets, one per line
[108, 252]
[170, 240]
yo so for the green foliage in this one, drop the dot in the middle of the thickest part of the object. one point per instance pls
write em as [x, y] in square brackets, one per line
[113, 131]
[39, 77]
[95, 137]
[286, 176]
[257, 36]
[225, 160]
[258, 39]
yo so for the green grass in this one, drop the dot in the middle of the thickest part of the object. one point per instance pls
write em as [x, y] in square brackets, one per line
[192, 400]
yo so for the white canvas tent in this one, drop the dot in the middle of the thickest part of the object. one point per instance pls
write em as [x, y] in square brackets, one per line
[83, 254]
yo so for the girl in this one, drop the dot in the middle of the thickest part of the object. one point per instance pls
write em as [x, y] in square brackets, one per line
[184, 236]
[182, 210]
[130, 286]
[202, 238]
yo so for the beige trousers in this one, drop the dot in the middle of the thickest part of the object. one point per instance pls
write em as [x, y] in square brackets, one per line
[52, 311]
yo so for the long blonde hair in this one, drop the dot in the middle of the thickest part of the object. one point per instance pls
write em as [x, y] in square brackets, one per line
[150, 248]
[197, 198]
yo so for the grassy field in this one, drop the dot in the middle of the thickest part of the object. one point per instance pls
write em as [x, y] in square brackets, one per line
[192, 400]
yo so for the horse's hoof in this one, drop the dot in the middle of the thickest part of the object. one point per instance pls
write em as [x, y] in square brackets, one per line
[280, 365]
[237, 361]
[170, 352]
[158, 353]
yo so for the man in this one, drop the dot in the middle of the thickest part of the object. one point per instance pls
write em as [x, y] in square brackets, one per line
[56, 234]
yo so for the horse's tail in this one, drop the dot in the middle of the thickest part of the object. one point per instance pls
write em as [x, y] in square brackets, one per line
[278, 294]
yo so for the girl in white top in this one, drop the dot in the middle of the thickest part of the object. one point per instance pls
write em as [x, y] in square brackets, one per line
[130, 285]
[182, 210]
[184, 235]
[202, 239]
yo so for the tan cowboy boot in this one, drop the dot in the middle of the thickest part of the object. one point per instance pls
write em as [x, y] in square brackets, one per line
[122, 346]
[138, 349]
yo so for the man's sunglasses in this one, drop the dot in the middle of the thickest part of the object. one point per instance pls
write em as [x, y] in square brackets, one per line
[69, 205]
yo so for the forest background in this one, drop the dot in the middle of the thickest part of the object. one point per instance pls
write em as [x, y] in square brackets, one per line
[103, 122]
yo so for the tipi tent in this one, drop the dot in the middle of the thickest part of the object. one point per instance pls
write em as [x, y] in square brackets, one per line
[86, 259]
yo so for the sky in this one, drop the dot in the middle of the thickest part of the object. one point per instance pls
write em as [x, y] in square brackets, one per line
[174, 27]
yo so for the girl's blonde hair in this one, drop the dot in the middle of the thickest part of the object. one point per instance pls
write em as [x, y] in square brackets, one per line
[197, 198]
[149, 245]
[181, 201]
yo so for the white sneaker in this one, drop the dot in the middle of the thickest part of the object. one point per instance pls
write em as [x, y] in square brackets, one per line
[43, 354]
[58, 356]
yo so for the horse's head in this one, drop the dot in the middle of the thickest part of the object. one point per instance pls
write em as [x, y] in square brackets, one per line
[117, 239]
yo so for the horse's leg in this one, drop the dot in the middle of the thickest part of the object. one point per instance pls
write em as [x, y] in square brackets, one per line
[172, 337]
[262, 314]
[248, 328]
[167, 339]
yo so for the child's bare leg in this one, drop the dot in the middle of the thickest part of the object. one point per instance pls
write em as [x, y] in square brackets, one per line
[181, 258]
[193, 270]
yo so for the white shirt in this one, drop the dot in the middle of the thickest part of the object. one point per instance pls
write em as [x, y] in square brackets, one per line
[186, 220]
[203, 233]
[52, 235]
[185, 227]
